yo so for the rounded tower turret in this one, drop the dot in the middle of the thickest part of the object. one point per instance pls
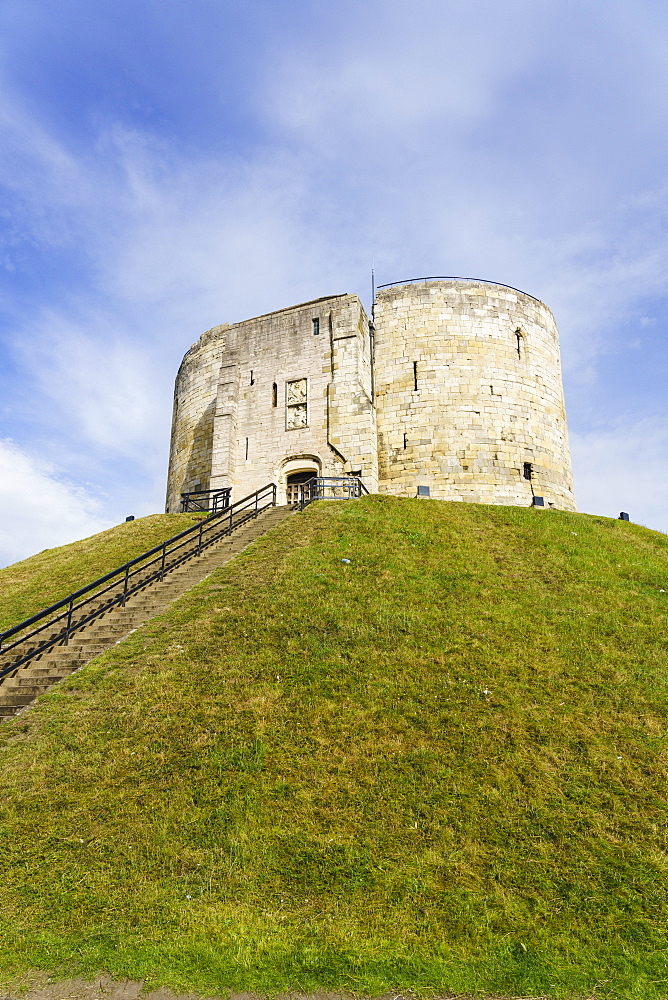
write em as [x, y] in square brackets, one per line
[468, 394]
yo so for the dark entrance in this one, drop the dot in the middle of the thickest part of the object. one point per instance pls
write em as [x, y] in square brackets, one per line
[295, 481]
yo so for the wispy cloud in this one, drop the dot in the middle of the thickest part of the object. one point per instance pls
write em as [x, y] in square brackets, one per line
[38, 508]
[90, 380]
[624, 466]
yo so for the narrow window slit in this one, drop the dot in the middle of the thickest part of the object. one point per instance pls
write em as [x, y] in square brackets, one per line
[252, 380]
[518, 338]
[528, 470]
[415, 382]
[316, 327]
[274, 395]
[246, 449]
[404, 442]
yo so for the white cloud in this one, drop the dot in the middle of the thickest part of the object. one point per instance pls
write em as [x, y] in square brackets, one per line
[624, 467]
[212, 236]
[92, 380]
[384, 70]
[38, 509]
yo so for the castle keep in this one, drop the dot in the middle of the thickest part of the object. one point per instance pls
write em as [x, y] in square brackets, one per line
[455, 386]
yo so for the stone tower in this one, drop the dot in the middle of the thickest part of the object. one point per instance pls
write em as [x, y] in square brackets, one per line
[455, 386]
[469, 399]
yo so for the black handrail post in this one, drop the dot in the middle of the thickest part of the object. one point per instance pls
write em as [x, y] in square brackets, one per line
[68, 627]
[125, 585]
[273, 494]
[229, 530]
[162, 563]
[199, 543]
[257, 497]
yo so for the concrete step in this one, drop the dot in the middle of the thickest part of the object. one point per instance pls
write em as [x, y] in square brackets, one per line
[118, 613]
[59, 667]
[99, 635]
[49, 666]
[39, 670]
[11, 700]
[28, 690]
[59, 654]
[42, 680]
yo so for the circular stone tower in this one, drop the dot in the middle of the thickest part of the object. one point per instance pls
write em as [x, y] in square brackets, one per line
[195, 396]
[469, 396]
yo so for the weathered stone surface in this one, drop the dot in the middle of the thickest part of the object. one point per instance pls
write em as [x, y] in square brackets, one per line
[285, 399]
[468, 390]
[464, 395]
[195, 396]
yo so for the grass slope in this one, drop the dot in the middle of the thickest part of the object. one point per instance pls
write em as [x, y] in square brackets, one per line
[29, 586]
[439, 766]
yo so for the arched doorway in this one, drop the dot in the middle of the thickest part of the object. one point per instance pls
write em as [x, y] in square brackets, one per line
[293, 475]
[294, 482]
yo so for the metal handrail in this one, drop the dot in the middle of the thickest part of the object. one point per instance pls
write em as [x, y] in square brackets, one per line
[326, 487]
[483, 281]
[92, 601]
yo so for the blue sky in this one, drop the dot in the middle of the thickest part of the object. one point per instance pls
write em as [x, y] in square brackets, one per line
[168, 165]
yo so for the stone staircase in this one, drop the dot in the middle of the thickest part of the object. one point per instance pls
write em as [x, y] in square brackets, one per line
[18, 690]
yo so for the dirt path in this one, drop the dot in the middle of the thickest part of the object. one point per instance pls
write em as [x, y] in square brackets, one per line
[105, 988]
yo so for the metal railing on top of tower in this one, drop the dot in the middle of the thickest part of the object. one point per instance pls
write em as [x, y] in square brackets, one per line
[451, 277]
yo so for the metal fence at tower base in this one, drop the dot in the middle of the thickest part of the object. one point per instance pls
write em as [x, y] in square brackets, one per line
[206, 500]
[329, 488]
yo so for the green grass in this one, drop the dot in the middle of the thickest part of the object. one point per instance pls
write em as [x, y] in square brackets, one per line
[29, 586]
[441, 766]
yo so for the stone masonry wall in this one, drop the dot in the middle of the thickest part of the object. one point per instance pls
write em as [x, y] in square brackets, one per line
[351, 411]
[276, 349]
[192, 422]
[236, 423]
[468, 390]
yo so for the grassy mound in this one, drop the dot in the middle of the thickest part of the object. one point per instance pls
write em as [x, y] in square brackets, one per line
[28, 586]
[439, 766]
